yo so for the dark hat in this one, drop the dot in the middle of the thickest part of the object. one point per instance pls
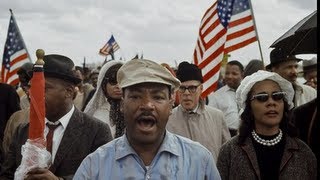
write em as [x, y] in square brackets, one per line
[278, 55]
[60, 67]
[25, 68]
[187, 72]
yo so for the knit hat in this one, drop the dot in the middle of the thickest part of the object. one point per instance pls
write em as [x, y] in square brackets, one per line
[187, 72]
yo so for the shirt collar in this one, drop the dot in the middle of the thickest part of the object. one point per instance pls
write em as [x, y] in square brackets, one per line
[194, 111]
[169, 144]
[297, 86]
[64, 120]
[228, 88]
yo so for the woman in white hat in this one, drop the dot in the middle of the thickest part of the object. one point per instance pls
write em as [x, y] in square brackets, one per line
[266, 147]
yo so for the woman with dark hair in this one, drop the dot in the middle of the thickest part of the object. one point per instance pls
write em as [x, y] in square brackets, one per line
[105, 103]
[253, 66]
[266, 146]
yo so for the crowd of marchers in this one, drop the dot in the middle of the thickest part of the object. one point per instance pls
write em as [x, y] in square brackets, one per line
[144, 120]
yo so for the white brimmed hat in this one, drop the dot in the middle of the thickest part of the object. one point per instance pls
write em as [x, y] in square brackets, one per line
[248, 82]
[310, 64]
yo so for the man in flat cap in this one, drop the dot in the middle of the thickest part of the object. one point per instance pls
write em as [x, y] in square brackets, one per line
[75, 134]
[147, 150]
[310, 72]
[287, 67]
[192, 118]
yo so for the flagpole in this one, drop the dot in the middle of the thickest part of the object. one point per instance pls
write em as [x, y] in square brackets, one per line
[255, 27]
[14, 19]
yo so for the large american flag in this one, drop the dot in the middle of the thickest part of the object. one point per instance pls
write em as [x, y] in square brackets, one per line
[15, 54]
[110, 47]
[226, 26]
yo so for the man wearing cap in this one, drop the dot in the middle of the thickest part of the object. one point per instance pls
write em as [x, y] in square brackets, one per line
[287, 67]
[192, 118]
[310, 72]
[147, 150]
[76, 134]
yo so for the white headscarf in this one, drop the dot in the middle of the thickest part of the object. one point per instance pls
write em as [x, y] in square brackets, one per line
[99, 99]
[248, 82]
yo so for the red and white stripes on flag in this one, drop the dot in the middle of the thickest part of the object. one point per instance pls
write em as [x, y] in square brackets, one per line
[226, 26]
[10, 76]
[14, 55]
[110, 47]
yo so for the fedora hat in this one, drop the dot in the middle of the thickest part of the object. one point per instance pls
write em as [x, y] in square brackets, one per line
[60, 67]
[278, 55]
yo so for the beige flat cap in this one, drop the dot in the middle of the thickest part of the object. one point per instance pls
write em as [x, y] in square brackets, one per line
[138, 71]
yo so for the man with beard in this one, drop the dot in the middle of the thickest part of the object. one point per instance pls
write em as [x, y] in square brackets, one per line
[147, 150]
[287, 66]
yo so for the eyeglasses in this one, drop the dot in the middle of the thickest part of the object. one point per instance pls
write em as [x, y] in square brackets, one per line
[192, 89]
[263, 97]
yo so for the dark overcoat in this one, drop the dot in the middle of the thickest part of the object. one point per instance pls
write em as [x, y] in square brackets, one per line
[83, 135]
[240, 161]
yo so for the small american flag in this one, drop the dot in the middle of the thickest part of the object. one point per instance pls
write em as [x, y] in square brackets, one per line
[110, 47]
[15, 54]
[226, 26]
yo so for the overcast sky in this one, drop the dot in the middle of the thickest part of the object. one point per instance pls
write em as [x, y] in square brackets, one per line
[163, 30]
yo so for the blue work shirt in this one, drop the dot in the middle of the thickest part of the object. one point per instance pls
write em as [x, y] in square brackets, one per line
[177, 158]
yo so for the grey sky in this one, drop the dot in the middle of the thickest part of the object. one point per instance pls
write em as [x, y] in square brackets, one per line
[164, 30]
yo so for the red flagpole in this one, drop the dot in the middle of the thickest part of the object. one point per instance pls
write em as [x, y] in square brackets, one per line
[37, 100]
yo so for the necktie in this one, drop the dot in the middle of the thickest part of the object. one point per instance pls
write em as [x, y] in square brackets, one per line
[51, 127]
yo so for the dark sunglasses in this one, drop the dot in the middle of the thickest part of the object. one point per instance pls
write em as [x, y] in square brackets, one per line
[112, 81]
[191, 89]
[263, 97]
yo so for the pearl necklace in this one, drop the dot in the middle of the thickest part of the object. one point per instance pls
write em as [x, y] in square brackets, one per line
[264, 142]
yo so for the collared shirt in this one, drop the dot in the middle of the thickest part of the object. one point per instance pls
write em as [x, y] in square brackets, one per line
[225, 100]
[303, 94]
[177, 158]
[58, 132]
[207, 126]
[194, 111]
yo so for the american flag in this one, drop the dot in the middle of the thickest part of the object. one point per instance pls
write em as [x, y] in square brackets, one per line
[15, 54]
[226, 26]
[110, 47]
